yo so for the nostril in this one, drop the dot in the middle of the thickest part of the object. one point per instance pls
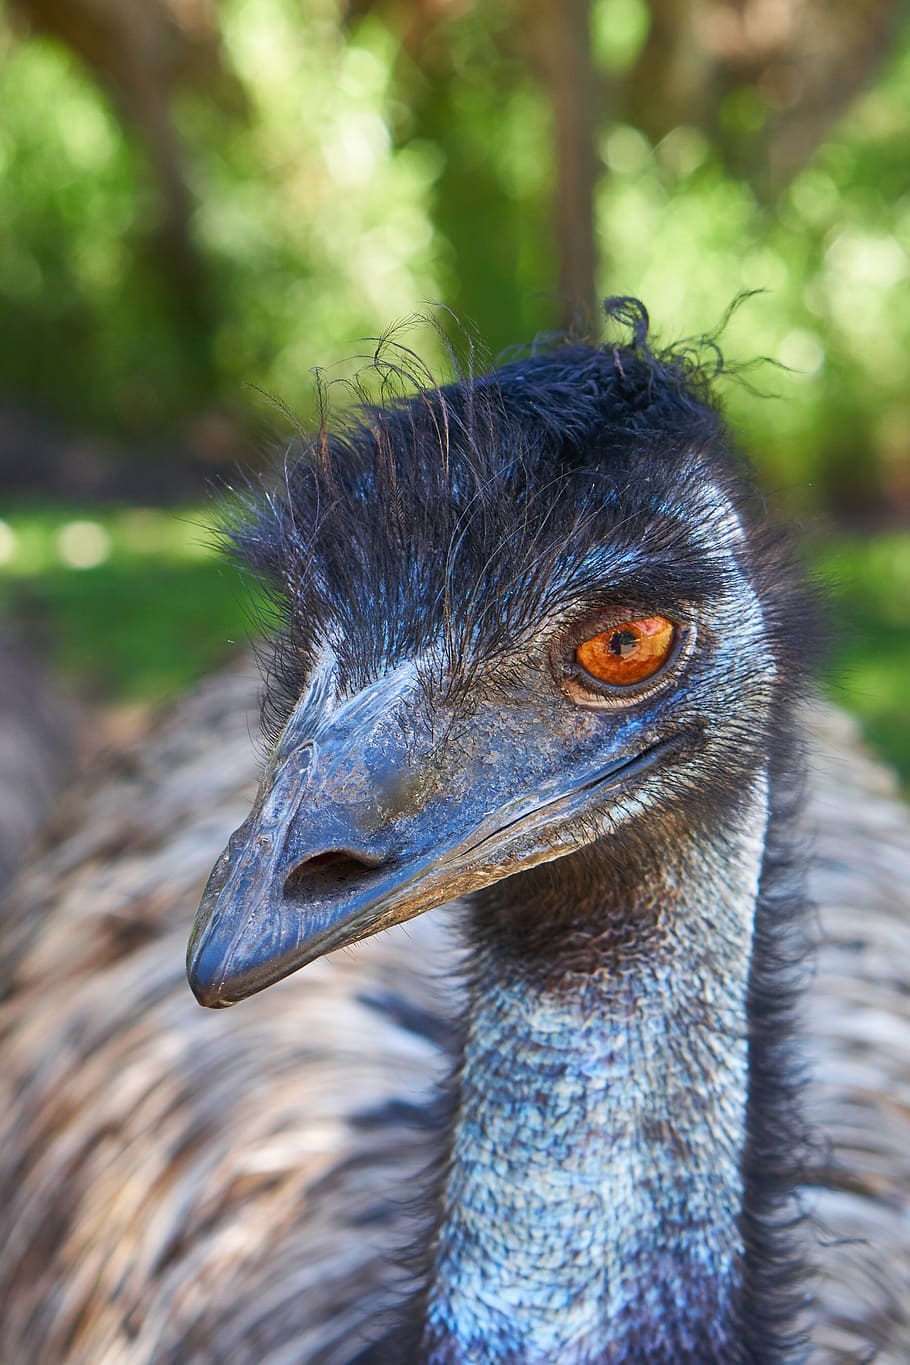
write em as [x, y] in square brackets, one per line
[334, 868]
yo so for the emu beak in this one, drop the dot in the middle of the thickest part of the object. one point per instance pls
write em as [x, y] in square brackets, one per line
[337, 846]
[301, 878]
[358, 828]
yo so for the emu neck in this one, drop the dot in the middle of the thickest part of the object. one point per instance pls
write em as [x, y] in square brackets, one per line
[591, 1212]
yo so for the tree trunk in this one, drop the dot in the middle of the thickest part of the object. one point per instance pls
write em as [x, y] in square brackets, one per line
[558, 35]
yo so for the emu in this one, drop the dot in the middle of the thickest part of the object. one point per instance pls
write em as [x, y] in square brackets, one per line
[540, 657]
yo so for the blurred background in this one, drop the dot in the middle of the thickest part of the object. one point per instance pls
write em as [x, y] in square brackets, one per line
[201, 200]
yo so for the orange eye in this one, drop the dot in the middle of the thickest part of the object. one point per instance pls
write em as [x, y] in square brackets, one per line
[628, 653]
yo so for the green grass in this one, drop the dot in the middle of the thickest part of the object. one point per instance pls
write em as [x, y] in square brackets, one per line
[153, 608]
[869, 612]
[151, 611]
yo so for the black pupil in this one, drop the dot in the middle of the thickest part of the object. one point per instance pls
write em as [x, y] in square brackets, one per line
[623, 642]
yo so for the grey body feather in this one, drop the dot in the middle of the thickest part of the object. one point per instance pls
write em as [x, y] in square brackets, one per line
[38, 729]
[183, 1186]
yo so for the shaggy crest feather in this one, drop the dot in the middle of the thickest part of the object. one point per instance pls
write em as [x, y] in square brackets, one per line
[453, 516]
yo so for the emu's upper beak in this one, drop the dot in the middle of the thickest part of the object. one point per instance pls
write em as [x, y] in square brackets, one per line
[359, 824]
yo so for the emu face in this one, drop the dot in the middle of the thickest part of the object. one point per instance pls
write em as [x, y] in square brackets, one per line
[446, 720]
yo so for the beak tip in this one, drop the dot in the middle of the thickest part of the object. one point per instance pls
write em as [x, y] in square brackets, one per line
[205, 973]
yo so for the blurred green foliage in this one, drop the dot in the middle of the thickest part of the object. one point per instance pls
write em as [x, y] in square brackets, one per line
[868, 584]
[833, 257]
[357, 187]
[311, 224]
[131, 605]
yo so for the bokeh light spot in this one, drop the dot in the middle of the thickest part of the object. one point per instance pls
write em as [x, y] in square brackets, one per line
[683, 150]
[618, 32]
[802, 352]
[865, 259]
[7, 543]
[626, 150]
[83, 544]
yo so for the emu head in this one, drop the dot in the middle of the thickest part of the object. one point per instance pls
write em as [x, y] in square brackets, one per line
[528, 617]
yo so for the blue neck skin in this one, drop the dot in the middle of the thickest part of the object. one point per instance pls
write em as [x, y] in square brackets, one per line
[592, 1204]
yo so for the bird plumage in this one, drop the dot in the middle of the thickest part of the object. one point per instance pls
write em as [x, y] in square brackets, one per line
[37, 733]
[180, 1186]
[238, 1187]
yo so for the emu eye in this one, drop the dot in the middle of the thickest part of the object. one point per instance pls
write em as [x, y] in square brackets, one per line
[629, 652]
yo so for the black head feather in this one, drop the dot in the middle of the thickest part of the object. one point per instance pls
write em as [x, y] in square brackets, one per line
[452, 515]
